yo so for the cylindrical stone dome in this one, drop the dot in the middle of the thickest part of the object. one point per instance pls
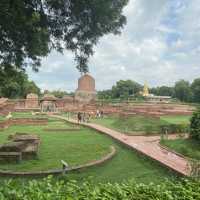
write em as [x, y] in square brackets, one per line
[86, 83]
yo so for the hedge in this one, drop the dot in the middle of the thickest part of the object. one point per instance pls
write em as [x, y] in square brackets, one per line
[174, 128]
[51, 189]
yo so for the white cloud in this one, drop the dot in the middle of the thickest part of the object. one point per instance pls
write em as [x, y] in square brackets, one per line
[160, 45]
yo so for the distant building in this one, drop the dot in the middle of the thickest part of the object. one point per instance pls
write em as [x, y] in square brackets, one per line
[151, 97]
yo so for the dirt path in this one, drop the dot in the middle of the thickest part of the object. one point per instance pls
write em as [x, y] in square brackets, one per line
[147, 145]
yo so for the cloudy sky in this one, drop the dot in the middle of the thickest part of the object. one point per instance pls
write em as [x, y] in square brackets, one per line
[160, 44]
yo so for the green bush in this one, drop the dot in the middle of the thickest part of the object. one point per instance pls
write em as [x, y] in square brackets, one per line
[174, 128]
[195, 125]
[50, 189]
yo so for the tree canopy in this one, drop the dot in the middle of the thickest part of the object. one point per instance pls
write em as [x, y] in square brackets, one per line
[195, 87]
[123, 89]
[183, 91]
[15, 84]
[30, 29]
[163, 91]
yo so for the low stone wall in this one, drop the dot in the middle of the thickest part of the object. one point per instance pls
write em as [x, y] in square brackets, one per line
[61, 129]
[23, 121]
[106, 158]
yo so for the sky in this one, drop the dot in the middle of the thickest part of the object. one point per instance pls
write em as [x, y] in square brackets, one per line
[160, 45]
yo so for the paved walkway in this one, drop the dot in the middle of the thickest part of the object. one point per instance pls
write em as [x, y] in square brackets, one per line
[147, 145]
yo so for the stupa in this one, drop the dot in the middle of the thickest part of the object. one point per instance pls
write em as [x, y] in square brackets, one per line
[32, 101]
[145, 90]
[86, 89]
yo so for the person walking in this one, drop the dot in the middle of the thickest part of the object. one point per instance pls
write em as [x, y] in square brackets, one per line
[79, 117]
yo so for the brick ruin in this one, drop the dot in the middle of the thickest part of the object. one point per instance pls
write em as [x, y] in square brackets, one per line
[84, 100]
[86, 89]
[32, 101]
[70, 104]
[6, 106]
[21, 146]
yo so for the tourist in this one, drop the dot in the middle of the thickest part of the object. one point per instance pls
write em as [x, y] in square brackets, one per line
[88, 118]
[79, 117]
[101, 113]
[98, 114]
[84, 117]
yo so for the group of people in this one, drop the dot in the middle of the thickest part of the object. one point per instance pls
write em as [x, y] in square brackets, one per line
[99, 114]
[83, 117]
[86, 117]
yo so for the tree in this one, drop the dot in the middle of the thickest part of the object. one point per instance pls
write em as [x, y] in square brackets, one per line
[30, 29]
[183, 91]
[59, 93]
[195, 125]
[163, 91]
[125, 88]
[15, 83]
[105, 94]
[30, 87]
[195, 87]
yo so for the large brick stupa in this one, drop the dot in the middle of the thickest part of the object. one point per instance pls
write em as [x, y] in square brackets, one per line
[86, 89]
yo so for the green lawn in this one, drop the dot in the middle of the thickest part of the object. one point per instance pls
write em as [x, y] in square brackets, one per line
[26, 115]
[126, 165]
[178, 119]
[2, 118]
[74, 147]
[134, 125]
[187, 147]
[83, 146]
[140, 125]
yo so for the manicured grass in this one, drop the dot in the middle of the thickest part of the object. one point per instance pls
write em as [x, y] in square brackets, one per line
[187, 147]
[2, 118]
[126, 165]
[26, 115]
[75, 147]
[178, 119]
[83, 146]
[134, 125]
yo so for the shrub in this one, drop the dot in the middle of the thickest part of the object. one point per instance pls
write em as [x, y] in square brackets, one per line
[174, 128]
[50, 189]
[195, 125]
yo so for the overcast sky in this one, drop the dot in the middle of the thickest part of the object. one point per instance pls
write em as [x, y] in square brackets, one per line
[160, 44]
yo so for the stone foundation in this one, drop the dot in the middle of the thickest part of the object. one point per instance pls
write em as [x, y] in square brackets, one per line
[22, 146]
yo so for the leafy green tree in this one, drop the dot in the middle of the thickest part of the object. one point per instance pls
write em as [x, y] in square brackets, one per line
[15, 83]
[59, 93]
[30, 29]
[195, 87]
[195, 125]
[30, 87]
[125, 88]
[182, 91]
[105, 94]
[163, 91]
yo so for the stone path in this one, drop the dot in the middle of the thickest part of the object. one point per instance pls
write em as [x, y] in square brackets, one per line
[147, 145]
